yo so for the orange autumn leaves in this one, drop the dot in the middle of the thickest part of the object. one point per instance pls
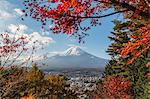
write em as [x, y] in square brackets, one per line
[138, 44]
[27, 97]
[140, 36]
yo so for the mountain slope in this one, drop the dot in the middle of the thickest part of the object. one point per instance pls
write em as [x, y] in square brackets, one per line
[74, 57]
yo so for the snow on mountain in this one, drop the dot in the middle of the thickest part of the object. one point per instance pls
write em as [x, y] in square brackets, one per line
[73, 51]
[74, 57]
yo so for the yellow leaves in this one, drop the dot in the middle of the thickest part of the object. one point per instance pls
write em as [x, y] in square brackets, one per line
[148, 74]
[56, 80]
[27, 97]
[34, 74]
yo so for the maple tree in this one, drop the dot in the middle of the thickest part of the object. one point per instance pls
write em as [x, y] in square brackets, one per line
[68, 16]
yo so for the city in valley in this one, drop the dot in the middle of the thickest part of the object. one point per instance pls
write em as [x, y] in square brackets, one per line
[83, 81]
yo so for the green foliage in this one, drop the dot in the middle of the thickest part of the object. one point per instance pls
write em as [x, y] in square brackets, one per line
[116, 65]
[109, 69]
[138, 70]
[145, 90]
[119, 37]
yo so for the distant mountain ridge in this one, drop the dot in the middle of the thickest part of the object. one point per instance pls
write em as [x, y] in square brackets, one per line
[74, 57]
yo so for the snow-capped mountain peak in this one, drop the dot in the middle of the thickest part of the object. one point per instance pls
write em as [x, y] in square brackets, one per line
[73, 51]
[73, 57]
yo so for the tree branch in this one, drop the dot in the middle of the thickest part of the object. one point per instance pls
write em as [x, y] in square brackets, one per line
[127, 6]
[102, 15]
[130, 8]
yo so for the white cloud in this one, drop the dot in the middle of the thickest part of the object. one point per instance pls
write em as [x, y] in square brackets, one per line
[20, 28]
[19, 11]
[9, 14]
[5, 15]
[43, 40]
[18, 31]
[5, 10]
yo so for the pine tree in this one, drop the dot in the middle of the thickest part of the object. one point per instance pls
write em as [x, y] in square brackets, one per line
[137, 74]
[116, 65]
[135, 71]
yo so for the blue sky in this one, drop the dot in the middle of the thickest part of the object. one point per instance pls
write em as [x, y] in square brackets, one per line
[96, 43]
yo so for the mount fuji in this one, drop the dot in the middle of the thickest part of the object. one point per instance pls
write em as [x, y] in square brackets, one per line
[74, 57]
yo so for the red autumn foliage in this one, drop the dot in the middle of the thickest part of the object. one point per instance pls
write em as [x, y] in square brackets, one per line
[116, 87]
[8, 45]
[67, 17]
[68, 14]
